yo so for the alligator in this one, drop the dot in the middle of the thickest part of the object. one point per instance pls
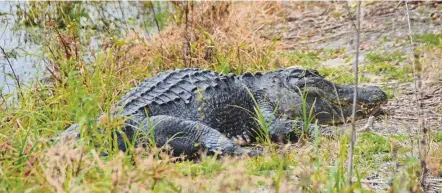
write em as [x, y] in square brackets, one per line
[195, 109]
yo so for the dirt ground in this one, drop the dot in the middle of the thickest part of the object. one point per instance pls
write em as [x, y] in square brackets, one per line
[384, 29]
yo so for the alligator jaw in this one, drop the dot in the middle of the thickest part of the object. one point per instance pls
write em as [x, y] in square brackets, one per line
[362, 111]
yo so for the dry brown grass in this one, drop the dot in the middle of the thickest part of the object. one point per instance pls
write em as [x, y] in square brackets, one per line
[65, 167]
[68, 167]
[214, 33]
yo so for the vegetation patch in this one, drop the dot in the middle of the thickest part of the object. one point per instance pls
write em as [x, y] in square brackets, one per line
[342, 74]
[304, 59]
[429, 39]
[221, 36]
[389, 66]
[207, 167]
[271, 164]
[437, 137]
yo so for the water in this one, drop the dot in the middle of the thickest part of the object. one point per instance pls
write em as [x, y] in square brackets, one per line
[26, 55]
[23, 55]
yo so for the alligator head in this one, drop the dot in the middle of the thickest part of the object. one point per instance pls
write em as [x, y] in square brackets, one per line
[368, 103]
[331, 103]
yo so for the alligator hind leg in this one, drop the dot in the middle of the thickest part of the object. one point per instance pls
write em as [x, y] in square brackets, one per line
[187, 137]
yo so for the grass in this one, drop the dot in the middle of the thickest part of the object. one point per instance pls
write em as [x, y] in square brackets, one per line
[379, 57]
[429, 39]
[386, 65]
[341, 74]
[82, 91]
[437, 137]
[302, 58]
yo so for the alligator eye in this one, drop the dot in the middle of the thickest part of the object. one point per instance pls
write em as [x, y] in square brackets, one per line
[294, 82]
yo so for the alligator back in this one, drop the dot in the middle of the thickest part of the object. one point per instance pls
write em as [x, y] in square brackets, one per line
[169, 87]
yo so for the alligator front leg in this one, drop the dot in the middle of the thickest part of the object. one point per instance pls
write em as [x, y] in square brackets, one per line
[283, 129]
[188, 137]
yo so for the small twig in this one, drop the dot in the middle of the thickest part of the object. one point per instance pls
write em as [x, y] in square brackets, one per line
[155, 17]
[12, 70]
[158, 27]
[65, 46]
[52, 73]
[3, 100]
[369, 126]
[52, 52]
[347, 6]
[1, 37]
[418, 97]
[79, 163]
[411, 118]
[187, 59]
[355, 97]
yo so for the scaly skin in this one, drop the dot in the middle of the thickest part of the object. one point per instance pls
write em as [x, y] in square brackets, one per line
[194, 109]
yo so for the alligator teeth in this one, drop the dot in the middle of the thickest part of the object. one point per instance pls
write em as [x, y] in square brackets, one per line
[247, 137]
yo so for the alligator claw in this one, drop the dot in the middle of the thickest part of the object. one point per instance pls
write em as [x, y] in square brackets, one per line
[254, 153]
